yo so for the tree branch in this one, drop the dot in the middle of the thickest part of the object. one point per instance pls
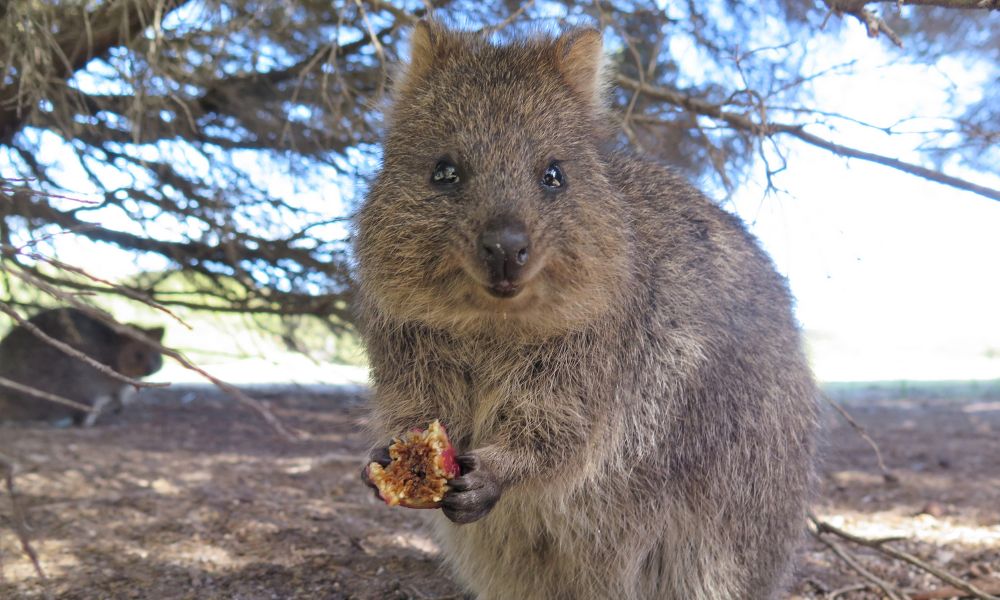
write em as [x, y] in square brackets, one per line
[882, 546]
[188, 253]
[890, 590]
[887, 475]
[37, 393]
[109, 25]
[960, 4]
[745, 123]
[872, 22]
[912, 169]
[8, 468]
[876, 24]
[287, 304]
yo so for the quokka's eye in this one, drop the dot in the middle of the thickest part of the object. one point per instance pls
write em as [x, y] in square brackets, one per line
[445, 173]
[553, 178]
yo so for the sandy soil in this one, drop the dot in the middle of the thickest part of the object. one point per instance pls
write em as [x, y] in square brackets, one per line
[189, 495]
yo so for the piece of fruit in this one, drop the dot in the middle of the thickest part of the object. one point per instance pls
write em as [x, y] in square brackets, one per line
[422, 463]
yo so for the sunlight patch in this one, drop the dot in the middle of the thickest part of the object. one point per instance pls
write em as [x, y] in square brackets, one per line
[925, 528]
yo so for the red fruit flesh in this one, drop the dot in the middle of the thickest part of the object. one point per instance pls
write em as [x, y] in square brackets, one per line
[422, 463]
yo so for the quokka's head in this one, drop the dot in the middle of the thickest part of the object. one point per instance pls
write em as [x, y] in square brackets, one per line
[136, 358]
[493, 209]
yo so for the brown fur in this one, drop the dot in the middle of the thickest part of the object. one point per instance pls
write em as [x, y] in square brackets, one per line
[643, 404]
[32, 361]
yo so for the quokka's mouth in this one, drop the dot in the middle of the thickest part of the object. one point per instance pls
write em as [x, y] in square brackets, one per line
[503, 289]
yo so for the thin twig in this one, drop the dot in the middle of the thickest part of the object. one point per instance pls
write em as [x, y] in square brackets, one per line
[44, 238]
[889, 589]
[883, 546]
[25, 389]
[115, 287]
[510, 18]
[872, 22]
[991, 586]
[28, 190]
[626, 118]
[18, 522]
[419, 595]
[256, 405]
[887, 475]
[376, 44]
[849, 588]
[744, 123]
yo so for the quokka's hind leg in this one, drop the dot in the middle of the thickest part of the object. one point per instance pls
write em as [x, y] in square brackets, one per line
[87, 419]
[123, 397]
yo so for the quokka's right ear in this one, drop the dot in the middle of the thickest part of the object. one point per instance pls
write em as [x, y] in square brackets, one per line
[580, 57]
[425, 43]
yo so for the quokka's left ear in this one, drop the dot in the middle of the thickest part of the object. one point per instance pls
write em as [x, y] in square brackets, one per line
[153, 333]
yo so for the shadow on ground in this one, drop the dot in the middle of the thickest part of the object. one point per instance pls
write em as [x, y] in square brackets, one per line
[190, 495]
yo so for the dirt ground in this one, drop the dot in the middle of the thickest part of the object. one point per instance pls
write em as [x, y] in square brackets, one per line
[190, 495]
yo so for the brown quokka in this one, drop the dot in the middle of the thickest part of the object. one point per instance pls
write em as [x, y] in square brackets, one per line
[30, 360]
[614, 355]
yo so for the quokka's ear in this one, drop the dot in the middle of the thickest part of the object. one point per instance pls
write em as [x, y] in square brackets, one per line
[580, 57]
[425, 42]
[153, 333]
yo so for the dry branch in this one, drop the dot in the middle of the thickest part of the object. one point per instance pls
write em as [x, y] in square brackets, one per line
[887, 475]
[872, 22]
[990, 586]
[206, 258]
[958, 4]
[742, 122]
[876, 24]
[834, 594]
[25, 389]
[257, 406]
[17, 518]
[889, 589]
[111, 286]
[109, 25]
[882, 546]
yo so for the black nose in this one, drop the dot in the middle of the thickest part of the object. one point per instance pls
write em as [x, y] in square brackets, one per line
[504, 248]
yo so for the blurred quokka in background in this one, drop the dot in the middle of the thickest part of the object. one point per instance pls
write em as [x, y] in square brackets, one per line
[614, 354]
[28, 359]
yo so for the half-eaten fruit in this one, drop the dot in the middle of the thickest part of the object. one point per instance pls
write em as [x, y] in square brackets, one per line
[422, 463]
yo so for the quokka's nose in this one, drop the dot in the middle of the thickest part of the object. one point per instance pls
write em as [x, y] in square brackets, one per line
[504, 247]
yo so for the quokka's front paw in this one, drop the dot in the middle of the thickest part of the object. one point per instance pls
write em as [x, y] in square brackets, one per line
[378, 455]
[473, 495]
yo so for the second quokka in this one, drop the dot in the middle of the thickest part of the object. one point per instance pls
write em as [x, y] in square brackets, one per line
[27, 359]
[614, 355]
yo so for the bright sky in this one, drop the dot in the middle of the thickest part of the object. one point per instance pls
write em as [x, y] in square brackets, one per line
[895, 277]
